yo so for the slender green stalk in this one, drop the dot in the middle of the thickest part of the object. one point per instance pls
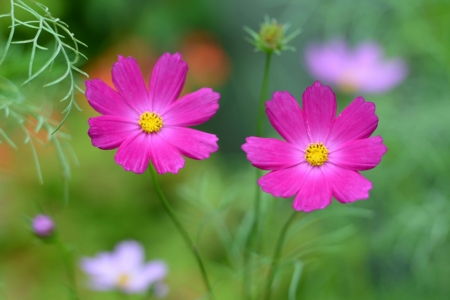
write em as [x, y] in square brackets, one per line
[276, 255]
[260, 132]
[181, 230]
[263, 98]
[68, 266]
[254, 233]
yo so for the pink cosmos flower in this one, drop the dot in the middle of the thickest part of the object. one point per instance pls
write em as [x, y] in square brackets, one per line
[362, 69]
[322, 154]
[150, 125]
[125, 270]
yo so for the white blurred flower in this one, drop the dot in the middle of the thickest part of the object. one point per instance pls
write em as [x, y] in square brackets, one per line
[124, 269]
[363, 69]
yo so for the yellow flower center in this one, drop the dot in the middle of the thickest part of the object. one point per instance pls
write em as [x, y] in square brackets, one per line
[123, 280]
[348, 83]
[316, 154]
[151, 122]
[348, 87]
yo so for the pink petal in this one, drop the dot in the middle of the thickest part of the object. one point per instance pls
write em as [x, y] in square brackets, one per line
[315, 192]
[348, 185]
[167, 80]
[106, 100]
[384, 76]
[359, 155]
[101, 270]
[192, 109]
[191, 143]
[272, 154]
[134, 153]
[357, 121]
[128, 256]
[108, 132]
[150, 273]
[327, 62]
[101, 265]
[128, 80]
[367, 54]
[285, 182]
[164, 156]
[154, 271]
[319, 109]
[286, 117]
[102, 284]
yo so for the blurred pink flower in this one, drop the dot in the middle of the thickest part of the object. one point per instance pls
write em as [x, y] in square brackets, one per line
[360, 70]
[149, 125]
[322, 154]
[125, 270]
[43, 225]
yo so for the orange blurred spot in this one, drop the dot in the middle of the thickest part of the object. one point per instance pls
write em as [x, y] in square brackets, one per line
[101, 66]
[7, 158]
[209, 64]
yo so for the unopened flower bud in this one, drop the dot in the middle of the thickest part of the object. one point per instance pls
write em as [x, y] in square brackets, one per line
[271, 37]
[43, 226]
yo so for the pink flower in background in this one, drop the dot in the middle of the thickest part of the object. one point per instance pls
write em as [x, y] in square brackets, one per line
[43, 225]
[125, 270]
[362, 69]
[322, 154]
[150, 125]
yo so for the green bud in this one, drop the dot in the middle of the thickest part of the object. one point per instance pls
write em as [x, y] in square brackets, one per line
[271, 37]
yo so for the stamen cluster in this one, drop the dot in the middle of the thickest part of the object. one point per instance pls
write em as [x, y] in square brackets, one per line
[151, 122]
[316, 154]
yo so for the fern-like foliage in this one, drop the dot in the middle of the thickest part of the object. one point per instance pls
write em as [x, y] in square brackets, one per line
[31, 120]
[43, 22]
[26, 111]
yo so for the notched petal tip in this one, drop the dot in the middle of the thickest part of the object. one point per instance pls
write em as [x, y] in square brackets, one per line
[91, 85]
[359, 100]
[173, 170]
[298, 207]
[176, 57]
[280, 96]
[248, 140]
[379, 139]
[129, 168]
[318, 85]
[122, 59]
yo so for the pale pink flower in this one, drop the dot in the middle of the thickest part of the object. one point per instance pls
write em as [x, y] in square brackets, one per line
[322, 154]
[150, 124]
[363, 69]
[43, 225]
[124, 270]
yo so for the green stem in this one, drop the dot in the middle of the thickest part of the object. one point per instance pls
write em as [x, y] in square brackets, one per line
[260, 132]
[276, 255]
[263, 98]
[181, 229]
[69, 269]
[254, 233]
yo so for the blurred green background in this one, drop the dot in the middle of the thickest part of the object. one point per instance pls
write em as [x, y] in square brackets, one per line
[393, 246]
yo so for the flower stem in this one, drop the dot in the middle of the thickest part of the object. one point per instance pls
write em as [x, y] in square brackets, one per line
[181, 229]
[68, 266]
[276, 255]
[263, 98]
[260, 132]
[254, 233]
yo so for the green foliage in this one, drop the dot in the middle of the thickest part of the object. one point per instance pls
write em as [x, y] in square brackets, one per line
[42, 21]
[31, 119]
[31, 112]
